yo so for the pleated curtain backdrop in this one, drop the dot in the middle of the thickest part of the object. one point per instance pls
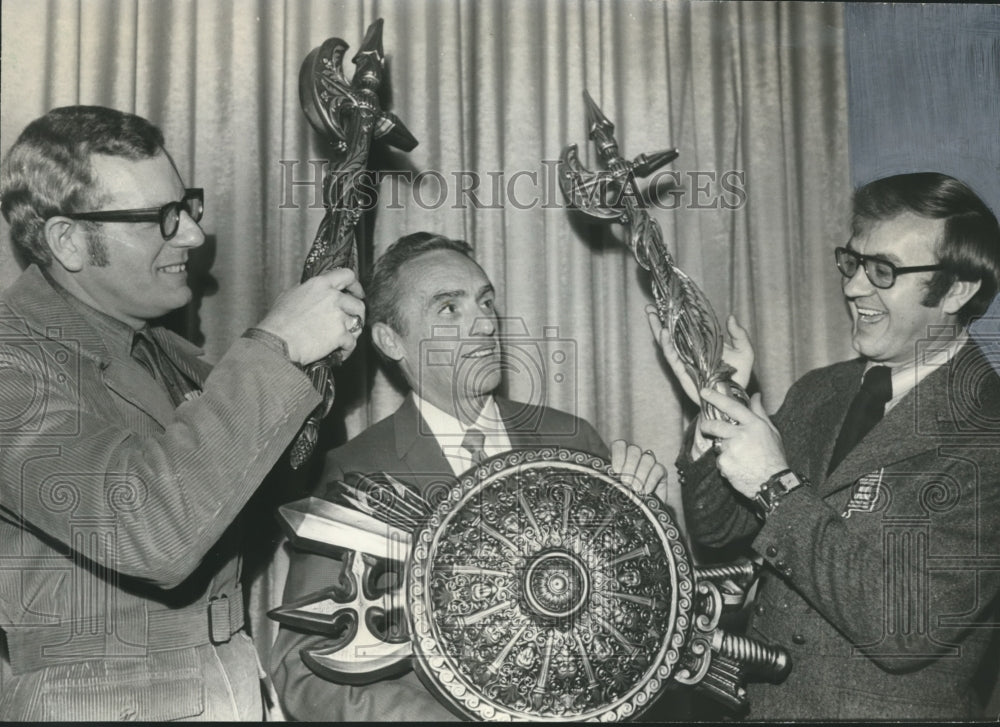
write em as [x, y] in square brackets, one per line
[752, 94]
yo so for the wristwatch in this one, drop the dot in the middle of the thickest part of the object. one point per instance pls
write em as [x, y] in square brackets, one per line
[771, 492]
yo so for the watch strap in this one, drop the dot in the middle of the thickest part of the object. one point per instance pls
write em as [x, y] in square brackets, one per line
[777, 486]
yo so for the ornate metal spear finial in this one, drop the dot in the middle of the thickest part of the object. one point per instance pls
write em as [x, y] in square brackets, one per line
[612, 196]
[350, 115]
[713, 659]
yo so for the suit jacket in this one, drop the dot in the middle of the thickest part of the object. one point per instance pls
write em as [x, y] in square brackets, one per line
[114, 512]
[883, 576]
[400, 445]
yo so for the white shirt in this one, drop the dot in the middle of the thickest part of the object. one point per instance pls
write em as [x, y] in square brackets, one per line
[449, 432]
[932, 355]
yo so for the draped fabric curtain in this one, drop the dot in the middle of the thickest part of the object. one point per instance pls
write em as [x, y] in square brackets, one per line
[752, 94]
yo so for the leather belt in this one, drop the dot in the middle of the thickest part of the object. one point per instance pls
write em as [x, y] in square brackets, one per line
[134, 632]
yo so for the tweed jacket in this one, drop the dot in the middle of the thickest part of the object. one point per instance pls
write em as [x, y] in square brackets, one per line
[115, 514]
[882, 579]
[401, 447]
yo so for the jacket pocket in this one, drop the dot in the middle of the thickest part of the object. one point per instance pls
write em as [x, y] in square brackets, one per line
[163, 686]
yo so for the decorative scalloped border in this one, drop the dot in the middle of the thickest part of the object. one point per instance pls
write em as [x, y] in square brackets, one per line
[436, 668]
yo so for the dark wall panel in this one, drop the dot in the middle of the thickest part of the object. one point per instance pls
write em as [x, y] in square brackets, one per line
[924, 92]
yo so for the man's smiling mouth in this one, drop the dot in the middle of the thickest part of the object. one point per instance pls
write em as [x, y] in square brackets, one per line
[481, 352]
[869, 315]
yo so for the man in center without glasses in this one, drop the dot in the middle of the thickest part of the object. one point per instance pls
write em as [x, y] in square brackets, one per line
[428, 293]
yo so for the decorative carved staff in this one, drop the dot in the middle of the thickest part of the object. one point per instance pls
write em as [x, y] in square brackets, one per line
[350, 115]
[713, 659]
[612, 196]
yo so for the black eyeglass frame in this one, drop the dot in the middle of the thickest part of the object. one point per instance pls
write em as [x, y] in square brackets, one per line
[863, 260]
[168, 216]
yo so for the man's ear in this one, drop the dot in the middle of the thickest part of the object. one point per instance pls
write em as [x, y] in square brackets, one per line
[67, 243]
[386, 341]
[961, 292]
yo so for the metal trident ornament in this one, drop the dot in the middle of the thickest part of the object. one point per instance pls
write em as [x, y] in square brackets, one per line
[350, 115]
[612, 196]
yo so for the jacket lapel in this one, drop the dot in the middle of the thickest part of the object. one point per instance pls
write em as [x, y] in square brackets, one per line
[917, 424]
[134, 385]
[419, 451]
[520, 435]
[187, 357]
[829, 409]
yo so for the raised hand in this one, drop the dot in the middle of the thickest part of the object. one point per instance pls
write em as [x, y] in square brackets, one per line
[738, 353]
[750, 447]
[324, 314]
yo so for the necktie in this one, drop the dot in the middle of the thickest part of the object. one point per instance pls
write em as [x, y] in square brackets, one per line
[865, 411]
[147, 352]
[473, 443]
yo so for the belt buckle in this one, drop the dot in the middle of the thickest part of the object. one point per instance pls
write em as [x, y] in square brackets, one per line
[219, 624]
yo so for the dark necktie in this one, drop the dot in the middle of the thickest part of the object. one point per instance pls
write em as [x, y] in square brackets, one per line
[147, 352]
[473, 443]
[865, 411]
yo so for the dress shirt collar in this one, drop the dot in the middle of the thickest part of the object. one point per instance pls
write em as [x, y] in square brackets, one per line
[449, 432]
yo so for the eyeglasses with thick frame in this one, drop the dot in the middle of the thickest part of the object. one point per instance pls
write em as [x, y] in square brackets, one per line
[169, 215]
[880, 273]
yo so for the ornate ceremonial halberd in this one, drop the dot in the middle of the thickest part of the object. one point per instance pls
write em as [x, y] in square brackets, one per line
[539, 586]
[349, 114]
[611, 196]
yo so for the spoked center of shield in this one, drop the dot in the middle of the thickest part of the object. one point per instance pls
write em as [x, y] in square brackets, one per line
[556, 585]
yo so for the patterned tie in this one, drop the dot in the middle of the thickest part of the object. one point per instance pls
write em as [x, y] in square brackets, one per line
[865, 411]
[473, 443]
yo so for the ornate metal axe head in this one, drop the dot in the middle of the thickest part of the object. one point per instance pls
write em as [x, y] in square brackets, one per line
[612, 195]
[350, 115]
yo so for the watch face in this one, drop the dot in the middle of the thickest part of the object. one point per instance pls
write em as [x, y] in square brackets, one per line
[789, 481]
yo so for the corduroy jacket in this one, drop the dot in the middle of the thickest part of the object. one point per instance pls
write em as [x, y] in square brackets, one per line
[119, 594]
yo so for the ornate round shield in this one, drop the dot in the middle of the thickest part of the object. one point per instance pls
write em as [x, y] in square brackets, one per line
[542, 587]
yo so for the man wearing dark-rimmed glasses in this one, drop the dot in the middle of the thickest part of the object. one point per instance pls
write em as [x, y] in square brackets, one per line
[168, 216]
[126, 457]
[873, 494]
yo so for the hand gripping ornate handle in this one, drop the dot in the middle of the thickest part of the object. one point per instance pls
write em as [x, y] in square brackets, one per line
[350, 115]
[612, 196]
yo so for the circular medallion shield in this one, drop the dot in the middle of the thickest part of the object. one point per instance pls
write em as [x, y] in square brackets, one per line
[543, 588]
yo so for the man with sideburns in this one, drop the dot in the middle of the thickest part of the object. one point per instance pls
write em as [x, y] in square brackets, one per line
[125, 456]
[873, 494]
